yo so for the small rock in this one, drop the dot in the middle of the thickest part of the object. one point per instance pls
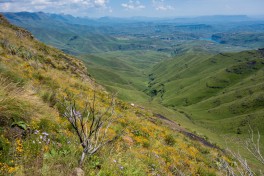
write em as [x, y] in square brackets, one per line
[59, 145]
[78, 172]
[128, 140]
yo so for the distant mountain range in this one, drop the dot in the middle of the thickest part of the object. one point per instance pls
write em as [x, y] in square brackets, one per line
[100, 21]
[79, 35]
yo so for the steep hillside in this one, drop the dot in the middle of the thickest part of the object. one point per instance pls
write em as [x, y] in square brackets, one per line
[226, 88]
[36, 139]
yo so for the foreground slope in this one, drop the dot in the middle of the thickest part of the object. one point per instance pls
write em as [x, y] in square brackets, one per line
[36, 140]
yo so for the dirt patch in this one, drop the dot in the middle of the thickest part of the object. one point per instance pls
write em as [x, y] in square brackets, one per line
[198, 138]
[174, 126]
[162, 117]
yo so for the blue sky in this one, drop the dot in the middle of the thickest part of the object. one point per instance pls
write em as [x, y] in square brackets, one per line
[127, 8]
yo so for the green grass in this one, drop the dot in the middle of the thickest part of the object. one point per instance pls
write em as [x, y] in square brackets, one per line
[220, 94]
[12, 108]
[213, 95]
[124, 72]
[212, 87]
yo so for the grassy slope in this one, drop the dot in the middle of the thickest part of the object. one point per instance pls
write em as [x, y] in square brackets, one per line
[124, 72]
[225, 89]
[199, 103]
[214, 88]
[34, 79]
[193, 86]
[214, 95]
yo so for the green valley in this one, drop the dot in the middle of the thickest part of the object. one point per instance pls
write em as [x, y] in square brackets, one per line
[213, 94]
[36, 138]
[124, 72]
[177, 80]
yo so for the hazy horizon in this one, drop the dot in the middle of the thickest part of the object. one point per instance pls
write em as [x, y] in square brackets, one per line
[137, 8]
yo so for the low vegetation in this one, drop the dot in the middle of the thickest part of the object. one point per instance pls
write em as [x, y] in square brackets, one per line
[37, 139]
[212, 89]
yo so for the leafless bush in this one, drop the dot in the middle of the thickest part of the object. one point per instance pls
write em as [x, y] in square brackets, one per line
[241, 166]
[91, 125]
[252, 145]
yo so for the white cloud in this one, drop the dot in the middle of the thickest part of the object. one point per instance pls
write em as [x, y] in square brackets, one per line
[160, 5]
[6, 6]
[100, 3]
[164, 7]
[77, 7]
[132, 5]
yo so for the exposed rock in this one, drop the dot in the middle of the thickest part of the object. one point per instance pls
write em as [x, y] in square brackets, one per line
[128, 140]
[78, 172]
[15, 132]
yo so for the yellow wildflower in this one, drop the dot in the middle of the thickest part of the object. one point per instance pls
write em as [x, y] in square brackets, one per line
[46, 148]
[19, 147]
[11, 170]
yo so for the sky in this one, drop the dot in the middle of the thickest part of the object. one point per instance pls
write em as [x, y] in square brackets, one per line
[128, 8]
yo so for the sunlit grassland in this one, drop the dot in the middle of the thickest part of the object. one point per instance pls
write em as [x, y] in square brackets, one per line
[215, 95]
[36, 140]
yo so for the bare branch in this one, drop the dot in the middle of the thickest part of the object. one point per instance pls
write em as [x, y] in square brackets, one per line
[89, 124]
[253, 146]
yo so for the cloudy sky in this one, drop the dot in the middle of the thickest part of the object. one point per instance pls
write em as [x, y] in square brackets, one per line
[126, 8]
